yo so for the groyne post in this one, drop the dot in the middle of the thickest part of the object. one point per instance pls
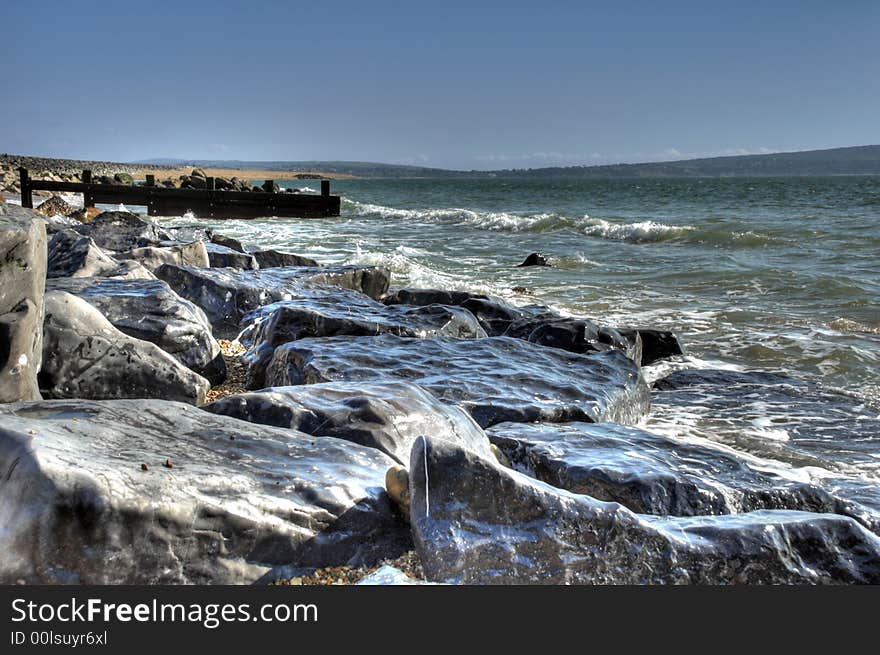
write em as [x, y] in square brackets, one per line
[325, 187]
[151, 180]
[27, 199]
[88, 201]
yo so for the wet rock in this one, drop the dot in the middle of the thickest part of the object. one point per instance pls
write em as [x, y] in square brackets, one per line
[656, 344]
[535, 259]
[151, 311]
[225, 241]
[275, 258]
[326, 312]
[185, 254]
[121, 231]
[430, 297]
[226, 295]
[495, 379]
[240, 498]
[223, 257]
[577, 335]
[388, 416]
[653, 474]
[476, 522]
[54, 206]
[22, 283]
[71, 254]
[84, 356]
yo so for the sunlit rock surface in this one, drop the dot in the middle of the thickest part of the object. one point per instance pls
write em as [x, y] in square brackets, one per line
[22, 283]
[152, 257]
[654, 474]
[495, 379]
[74, 255]
[150, 310]
[84, 356]
[476, 522]
[76, 504]
[389, 416]
[226, 294]
[122, 230]
[327, 312]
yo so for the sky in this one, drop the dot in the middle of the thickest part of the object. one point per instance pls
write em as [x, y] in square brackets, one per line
[466, 85]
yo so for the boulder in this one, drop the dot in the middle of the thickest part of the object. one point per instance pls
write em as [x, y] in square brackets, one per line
[193, 182]
[88, 496]
[223, 257]
[327, 311]
[198, 172]
[84, 356]
[654, 474]
[74, 255]
[149, 310]
[388, 416]
[476, 522]
[22, 283]
[535, 259]
[122, 230]
[54, 206]
[495, 379]
[225, 241]
[275, 258]
[123, 178]
[226, 295]
[656, 344]
[578, 335]
[185, 254]
[84, 215]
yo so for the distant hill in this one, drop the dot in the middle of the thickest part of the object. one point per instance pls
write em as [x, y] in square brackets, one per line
[856, 160]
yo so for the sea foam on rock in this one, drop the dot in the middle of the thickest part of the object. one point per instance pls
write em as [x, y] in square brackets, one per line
[227, 294]
[327, 312]
[22, 283]
[158, 492]
[388, 416]
[654, 474]
[151, 311]
[476, 522]
[84, 356]
[496, 379]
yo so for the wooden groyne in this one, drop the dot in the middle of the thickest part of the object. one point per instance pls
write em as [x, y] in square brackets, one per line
[204, 203]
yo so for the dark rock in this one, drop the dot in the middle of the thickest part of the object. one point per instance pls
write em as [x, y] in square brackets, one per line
[22, 282]
[222, 184]
[327, 312]
[193, 182]
[475, 522]
[578, 335]
[227, 242]
[535, 259]
[223, 257]
[274, 258]
[388, 416]
[656, 344]
[151, 311]
[270, 186]
[123, 178]
[430, 297]
[185, 254]
[84, 356]
[77, 508]
[495, 379]
[198, 172]
[119, 231]
[71, 254]
[653, 474]
[227, 295]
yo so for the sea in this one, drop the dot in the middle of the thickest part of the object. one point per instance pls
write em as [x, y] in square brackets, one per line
[770, 275]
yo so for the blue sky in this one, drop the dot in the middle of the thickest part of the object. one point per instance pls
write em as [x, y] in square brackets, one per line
[450, 84]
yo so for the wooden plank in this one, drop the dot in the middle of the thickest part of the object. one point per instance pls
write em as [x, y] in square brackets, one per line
[27, 199]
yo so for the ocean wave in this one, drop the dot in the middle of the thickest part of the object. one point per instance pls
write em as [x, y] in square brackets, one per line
[641, 232]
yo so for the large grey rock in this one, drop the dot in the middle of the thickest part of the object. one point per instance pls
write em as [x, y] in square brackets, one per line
[22, 282]
[222, 240]
[654, 474]
[495, 379]
[151, 311]
[227, 294]
[185, 254]
[223, 257]
[327, 312]
[476, 522]
[76, 506]
[74, 255]
[276, 258]
[84, 356]
[388, 416]
[121, 231]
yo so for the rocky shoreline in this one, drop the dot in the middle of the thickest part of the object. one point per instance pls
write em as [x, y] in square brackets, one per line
[178, 407]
